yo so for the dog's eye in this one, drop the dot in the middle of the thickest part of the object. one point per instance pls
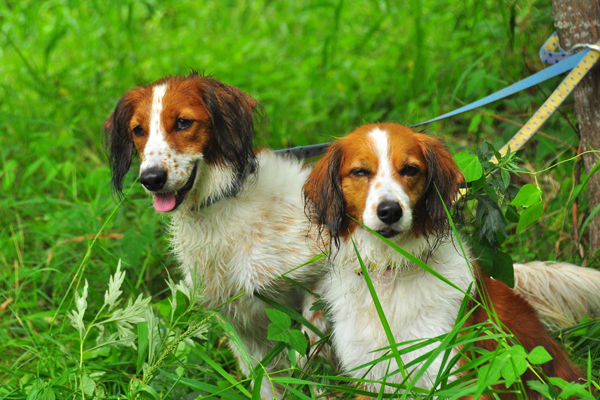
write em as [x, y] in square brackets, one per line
[138, 131]
[183, 123]
[410, 170]
[360, 172]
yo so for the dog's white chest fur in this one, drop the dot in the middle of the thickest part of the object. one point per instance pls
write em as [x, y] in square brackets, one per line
[246, 242]
[416, 304]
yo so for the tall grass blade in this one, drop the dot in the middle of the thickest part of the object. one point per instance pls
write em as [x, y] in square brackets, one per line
[386, 326]
[209, 361]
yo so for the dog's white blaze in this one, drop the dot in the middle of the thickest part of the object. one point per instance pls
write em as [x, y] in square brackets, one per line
[388, 189]
[158, 152]
[154, 149]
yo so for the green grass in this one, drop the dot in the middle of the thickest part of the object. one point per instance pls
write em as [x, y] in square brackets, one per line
[320, 68]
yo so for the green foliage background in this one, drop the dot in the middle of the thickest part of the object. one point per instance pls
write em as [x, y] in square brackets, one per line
[320, 69]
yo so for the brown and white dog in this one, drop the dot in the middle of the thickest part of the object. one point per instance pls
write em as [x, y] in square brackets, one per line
[387, 178]
[237, 216]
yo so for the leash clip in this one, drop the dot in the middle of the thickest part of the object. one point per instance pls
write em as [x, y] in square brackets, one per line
[551, 52]
[594, 47]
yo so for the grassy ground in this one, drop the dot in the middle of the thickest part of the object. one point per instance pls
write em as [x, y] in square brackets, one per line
[320, 68]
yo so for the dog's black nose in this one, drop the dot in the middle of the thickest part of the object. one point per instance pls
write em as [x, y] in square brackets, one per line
[154, 178]
[389, 212]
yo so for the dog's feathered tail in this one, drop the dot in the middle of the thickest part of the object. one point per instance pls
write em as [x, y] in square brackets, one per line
[561, 293]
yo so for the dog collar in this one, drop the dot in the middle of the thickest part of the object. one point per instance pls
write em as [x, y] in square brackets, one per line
[231, 192]
[393, 265]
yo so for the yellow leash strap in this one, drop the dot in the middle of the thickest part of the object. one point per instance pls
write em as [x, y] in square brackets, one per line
[554, 101]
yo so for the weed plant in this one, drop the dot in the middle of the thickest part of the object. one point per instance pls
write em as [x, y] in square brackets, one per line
[89, 307]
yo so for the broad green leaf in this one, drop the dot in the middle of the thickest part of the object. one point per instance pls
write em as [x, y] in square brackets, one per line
[503, 268]
[291, 313]
[515, 364]
[552, 389]
[278, 334]
[492, 219]
[88, 385]
[478, 184]
[519, 359]
[491, 193]
[278, 329]
[279, 318]
[527, 196]
[487, 374]
[505, 177]
[512, 214]
[556, 381]
[469, 165]
[540, 387]
[509, 374]
[539, 355]
[484, 255]
[298, 341]
[530, 215]
[569, 389]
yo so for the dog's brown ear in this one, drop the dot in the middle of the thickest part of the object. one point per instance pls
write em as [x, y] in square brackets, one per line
[323, 196]
[443, 182]
[119, 143]
[232, 113]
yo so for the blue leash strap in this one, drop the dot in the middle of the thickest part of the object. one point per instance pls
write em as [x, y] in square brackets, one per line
[545, 74]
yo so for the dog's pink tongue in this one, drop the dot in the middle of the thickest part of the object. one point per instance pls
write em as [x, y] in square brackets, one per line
[164, 202]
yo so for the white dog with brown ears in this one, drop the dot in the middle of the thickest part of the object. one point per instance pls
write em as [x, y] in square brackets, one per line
[398, 183]
[237, 216]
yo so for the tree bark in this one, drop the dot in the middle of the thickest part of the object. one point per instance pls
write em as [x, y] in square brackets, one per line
[578, 21]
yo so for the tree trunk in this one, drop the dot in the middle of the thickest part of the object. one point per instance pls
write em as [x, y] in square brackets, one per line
[578, 21]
